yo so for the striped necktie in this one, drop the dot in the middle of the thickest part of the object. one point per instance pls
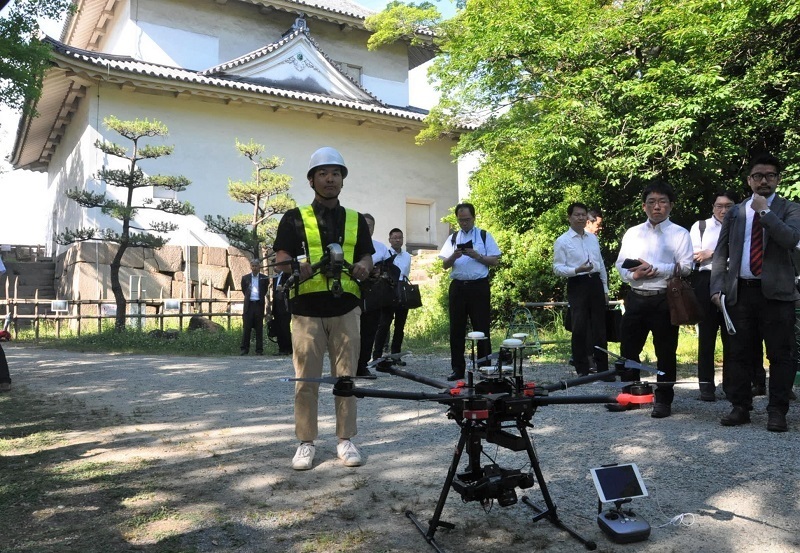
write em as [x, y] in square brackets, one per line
[756, 246]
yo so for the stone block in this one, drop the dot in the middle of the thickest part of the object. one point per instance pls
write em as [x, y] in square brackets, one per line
[169, 259]
[150, 264]
[217, 257]
[239, 266]
[218, 276]
[133, 258]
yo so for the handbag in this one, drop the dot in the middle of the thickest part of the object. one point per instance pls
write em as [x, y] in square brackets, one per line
[684, 309]
[409, 295]
[379, 292]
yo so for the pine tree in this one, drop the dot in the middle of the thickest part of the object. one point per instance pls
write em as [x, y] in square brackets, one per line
[130, 179]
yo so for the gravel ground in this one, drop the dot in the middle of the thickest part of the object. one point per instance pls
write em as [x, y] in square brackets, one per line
[221, 430]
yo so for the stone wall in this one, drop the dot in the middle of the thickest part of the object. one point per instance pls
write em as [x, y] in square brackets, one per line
[84, 272]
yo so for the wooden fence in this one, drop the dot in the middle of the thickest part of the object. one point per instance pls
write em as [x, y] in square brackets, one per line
[78, 313]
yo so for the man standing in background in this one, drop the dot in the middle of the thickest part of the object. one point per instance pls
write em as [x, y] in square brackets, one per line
[648, 255]
[704, 234]
[576, 257]
[254, 287]
[370, 317]
[468, 253]
[398, 313]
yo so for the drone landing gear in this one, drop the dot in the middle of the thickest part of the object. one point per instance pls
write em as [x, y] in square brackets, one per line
[491, 482]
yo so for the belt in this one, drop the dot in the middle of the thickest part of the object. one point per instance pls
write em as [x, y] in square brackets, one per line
[648, 292]
[475, 281]
[584, 276]
[750, 282]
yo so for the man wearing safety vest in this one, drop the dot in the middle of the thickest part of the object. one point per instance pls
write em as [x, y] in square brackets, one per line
[325, 306]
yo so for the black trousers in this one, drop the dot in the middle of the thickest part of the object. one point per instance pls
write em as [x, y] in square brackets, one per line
[398, 314]
[707, 329]
[5, 376]
[369, 326]
[757, 318]
[587, 303]
[468, 299]
[645, 315]
[253, 320]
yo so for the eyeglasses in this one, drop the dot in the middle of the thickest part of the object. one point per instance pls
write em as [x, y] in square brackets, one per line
[723, 206]
[758, 177]
[465, 219]
[662, 202]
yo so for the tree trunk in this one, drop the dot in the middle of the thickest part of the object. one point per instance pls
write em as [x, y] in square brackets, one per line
[116, 288]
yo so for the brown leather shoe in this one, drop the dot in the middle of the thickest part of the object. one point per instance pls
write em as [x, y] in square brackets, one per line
[455, 375]
[776, 422]
[661, 410]
[737, 416]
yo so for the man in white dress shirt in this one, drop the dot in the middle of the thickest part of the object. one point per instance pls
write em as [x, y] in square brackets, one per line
[576, 257]
[647, 257]
[398, 313]
[704, 234]
[469, 253]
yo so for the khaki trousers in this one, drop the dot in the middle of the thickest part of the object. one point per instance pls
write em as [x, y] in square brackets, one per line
[311, 338]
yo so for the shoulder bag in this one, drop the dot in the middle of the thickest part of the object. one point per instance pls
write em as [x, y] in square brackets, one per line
[684, 309]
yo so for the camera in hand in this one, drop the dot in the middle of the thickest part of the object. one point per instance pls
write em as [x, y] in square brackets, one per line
[464, 246]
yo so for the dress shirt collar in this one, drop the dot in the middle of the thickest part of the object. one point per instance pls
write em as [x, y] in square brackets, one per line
[661, 227]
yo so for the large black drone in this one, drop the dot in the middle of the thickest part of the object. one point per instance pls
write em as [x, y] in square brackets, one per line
[495, 405]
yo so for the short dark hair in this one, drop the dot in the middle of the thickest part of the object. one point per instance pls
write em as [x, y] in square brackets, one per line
[465, 205]
[395, 230]
[659, 186]
[594, 213]
[571, 207]
[368, 216]
[764, 158]
[730, 194]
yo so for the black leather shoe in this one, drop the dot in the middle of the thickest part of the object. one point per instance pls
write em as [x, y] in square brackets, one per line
[366, 374]
[776, 422]
[661, 410]
[455, 375]
[243, 352]
[737, 416]
[707, 392]
[616, 407]
[759, 390]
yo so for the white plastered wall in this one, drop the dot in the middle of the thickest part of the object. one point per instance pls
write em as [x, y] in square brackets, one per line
[386, 167]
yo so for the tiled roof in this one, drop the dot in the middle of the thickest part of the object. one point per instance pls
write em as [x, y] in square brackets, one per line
[129, 65]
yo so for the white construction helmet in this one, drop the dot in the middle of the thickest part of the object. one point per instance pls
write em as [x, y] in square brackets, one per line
[325, 156]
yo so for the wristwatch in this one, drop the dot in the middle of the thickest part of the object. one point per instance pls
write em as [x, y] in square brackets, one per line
[763, 212]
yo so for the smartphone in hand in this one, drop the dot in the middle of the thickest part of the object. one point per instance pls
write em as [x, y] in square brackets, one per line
[631, 263]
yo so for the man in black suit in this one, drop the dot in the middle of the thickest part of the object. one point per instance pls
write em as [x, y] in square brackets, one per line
[752, 266]
[254, 287]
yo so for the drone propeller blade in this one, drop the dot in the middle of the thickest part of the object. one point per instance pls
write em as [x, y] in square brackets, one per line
[324, 379]
[630, 363]
[388, 358]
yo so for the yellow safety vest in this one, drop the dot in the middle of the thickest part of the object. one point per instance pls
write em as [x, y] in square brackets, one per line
[319, 282]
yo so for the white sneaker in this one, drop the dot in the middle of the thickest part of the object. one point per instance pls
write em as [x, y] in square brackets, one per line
[348, 452]
[304, 457]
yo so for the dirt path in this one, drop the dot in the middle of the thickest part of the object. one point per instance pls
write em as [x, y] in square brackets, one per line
[214, 438]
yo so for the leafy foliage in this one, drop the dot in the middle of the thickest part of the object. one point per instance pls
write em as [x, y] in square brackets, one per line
[266, 192]
[586, 99]
[25, 58]
[130, 179]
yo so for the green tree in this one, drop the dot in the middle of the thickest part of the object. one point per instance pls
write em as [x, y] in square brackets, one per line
[23, 57]
[129, 179]
[266, 192]
[586, 99]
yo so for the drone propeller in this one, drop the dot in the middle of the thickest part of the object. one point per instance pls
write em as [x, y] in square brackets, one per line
[324, 379]
[630, 363]
[388, 358]
[654, 382]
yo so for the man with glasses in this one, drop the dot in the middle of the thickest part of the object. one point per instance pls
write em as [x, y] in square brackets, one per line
[705, 234]
[469, 253]
[752, 266]
[648, 255]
